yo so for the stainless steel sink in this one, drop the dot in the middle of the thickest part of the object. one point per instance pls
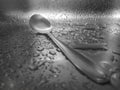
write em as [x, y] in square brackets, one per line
[30, 61]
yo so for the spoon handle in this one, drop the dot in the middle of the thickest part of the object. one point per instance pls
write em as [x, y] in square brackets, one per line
[81, 62]
[90, 46]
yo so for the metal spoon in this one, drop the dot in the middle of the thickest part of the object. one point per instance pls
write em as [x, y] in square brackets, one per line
[91, 69]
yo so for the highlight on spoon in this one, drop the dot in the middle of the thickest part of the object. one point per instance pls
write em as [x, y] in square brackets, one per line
[40, 24]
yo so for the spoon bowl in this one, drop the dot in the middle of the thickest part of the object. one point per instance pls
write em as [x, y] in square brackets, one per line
[40, 24]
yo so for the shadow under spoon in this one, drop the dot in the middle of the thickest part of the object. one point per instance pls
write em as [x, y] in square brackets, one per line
[91, 69]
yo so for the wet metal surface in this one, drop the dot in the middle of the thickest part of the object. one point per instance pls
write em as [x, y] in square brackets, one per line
[33, 62]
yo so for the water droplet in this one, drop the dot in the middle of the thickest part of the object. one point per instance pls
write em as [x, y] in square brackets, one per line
[52, 52]
[40, 48]
[58, 50]
[11, 85]
[33, 67]
[47, 59]
[63, 85]
[43, 82]
[42, 63]
[54, 70]
[55, 76]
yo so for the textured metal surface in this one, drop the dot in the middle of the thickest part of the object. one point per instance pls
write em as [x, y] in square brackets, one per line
[34, 62]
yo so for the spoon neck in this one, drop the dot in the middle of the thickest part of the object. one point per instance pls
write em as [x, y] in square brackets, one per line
[50, 34]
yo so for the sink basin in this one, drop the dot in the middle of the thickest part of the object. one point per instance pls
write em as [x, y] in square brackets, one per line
[30, 61]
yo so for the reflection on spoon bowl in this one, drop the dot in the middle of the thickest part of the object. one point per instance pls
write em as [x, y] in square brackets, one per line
[40, 24]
